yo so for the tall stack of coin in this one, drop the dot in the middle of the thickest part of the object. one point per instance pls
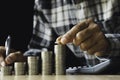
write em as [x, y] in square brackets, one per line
[59, 51]
[33, 65]
[19, 68]
[6, 70]
[46, 57]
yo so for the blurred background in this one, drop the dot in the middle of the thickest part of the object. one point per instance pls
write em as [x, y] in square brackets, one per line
[16, 18]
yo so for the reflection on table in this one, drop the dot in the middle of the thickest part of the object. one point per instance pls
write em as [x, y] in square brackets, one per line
[61, 77]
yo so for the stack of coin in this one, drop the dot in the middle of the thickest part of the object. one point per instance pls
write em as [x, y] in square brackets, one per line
[59, 51]
[33, 65]
[6, 70]
[46, 57]
[19, 68]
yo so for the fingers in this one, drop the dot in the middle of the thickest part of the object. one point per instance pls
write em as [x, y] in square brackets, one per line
[99, 47]
[10, 58]
[68, 37]
[20, 57]
[86, 33]
[90, 42]
[16, 56]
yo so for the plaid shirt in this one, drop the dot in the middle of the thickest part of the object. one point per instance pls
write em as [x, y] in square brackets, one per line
[53, 18]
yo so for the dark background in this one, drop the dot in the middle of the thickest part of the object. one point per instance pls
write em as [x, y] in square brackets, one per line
[16, 20]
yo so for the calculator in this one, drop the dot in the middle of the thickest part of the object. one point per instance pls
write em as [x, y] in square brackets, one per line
[99, 66]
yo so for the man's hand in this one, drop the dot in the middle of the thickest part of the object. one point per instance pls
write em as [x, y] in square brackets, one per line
[88, 36]
[11, 58]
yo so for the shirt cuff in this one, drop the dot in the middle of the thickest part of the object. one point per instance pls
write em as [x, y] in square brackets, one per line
[34, 52]
[114, 41]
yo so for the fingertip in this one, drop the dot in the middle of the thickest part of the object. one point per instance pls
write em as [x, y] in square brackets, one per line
[64, 40]
[90, 20]
[58, 40]
[99, 54]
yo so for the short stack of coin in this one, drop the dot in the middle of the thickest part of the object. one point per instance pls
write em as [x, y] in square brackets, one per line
[19, 68]
[6, 70]
[60, 57]
[46, 57]
[33, 65]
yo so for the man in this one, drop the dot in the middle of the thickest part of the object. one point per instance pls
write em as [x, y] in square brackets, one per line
[81, 25]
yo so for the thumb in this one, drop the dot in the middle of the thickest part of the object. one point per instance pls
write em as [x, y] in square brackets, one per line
[100, 54]
[3, 63]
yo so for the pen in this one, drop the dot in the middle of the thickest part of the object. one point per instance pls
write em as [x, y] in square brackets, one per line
[7, 45]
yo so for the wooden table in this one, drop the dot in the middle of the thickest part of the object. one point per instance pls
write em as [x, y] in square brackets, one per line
[62, 77]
